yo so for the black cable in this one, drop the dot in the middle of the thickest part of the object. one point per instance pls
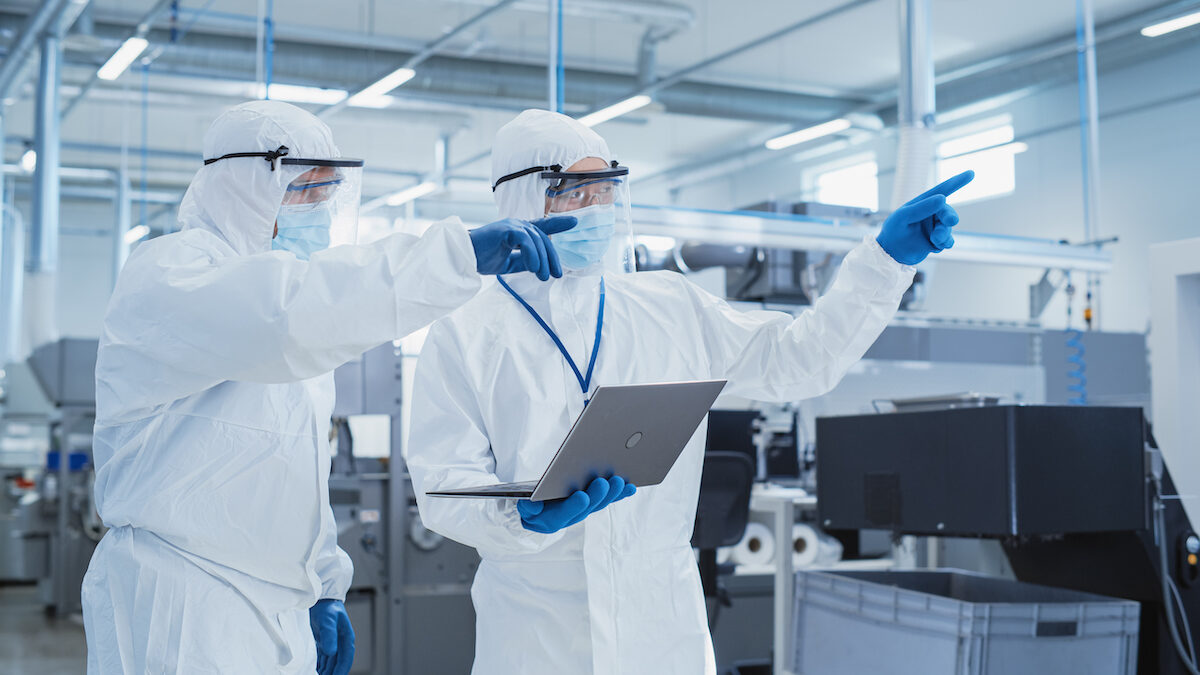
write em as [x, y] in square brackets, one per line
[1169, 607]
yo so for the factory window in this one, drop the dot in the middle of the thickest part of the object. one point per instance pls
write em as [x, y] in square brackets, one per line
[991, 154]
[854, 185]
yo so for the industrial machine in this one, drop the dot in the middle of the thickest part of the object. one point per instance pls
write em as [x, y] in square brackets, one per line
[1079, 498]
[48, 503]
[410, 601]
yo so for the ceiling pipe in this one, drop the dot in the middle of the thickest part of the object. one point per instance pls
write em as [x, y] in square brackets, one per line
[915, 160]
[12, 282]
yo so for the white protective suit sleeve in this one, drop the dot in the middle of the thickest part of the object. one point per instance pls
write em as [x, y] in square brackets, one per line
[461, 457]
[287, 320]
[333, 564]
[772, 356]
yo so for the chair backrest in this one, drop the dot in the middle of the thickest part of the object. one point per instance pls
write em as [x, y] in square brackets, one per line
[724, 506]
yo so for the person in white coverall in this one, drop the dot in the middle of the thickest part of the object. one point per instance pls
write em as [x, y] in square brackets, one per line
[619, 592]
[214, 390]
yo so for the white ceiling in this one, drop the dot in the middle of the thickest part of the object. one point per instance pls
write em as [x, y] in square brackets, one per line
[855, 52]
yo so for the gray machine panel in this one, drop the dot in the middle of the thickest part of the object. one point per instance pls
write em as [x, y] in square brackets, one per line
[66, 369]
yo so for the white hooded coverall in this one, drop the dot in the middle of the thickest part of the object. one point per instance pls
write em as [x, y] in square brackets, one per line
[620, 592]
[214, 391]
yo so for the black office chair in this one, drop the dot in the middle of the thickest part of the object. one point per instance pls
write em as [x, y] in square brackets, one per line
[721, 516]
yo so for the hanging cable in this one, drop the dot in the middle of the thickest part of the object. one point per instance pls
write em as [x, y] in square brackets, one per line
[268, 47]
[1172, 603]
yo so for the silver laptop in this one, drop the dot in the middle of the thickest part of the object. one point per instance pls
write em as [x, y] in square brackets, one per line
[635, 431]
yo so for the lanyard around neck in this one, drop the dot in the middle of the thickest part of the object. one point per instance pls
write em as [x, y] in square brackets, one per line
[585, 382]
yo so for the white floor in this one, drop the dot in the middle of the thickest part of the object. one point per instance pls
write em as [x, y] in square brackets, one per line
[31, 643]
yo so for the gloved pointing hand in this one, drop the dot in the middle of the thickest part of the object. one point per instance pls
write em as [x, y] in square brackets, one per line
[335, 638]
[922, 225]
[553, 515]
[510, 245]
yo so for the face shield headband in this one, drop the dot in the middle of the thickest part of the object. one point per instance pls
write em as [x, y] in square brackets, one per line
[279, 156]
[557, 169]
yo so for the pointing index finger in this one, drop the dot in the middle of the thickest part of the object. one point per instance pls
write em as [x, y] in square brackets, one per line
[946, 187]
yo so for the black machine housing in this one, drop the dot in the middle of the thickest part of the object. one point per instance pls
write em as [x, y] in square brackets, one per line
[1065, 489]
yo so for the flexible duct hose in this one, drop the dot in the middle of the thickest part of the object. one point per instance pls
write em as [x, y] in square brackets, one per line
[1079, 372]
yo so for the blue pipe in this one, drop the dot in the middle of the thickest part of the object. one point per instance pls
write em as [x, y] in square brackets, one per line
[268, 47]
[1084, 152]
[560, 103]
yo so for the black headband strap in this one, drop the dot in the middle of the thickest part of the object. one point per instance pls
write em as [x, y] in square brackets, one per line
[271, 156]
[526, 172]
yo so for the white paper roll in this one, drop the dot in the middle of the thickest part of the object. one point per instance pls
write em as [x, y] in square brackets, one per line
[757, 546]
[811, 548]
[724, 553]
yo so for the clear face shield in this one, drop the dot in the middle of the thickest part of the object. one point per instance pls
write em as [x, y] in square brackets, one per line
[320, 206]
[602, 241]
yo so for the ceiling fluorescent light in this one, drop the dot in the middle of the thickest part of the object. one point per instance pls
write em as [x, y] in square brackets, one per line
[384, 85]
[1171, 26]
[294, 93]
[122, 58]
[615, 110]
[136, 233]
[377, 102]
[409, 194]
[809, 134]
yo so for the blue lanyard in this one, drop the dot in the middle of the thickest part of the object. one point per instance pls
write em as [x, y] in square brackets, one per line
[585, 383]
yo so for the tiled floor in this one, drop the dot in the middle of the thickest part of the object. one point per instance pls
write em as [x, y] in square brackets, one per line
[31, 643]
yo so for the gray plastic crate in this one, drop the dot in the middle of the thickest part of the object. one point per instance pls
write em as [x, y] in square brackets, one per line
[956, 623]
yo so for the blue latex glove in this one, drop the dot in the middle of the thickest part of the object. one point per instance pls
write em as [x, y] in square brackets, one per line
[922, 225]
[510, 245]
[335, 638]
[555, 514]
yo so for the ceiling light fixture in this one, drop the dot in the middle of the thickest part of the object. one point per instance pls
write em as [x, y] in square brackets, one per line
[120, 61]
[294, 93]
[615, 110]
[1172, 25]
[809, 134]
[136, 233]
[385, 84]
[409, 194]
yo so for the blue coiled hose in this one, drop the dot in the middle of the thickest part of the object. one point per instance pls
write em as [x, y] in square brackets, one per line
[1079, 373]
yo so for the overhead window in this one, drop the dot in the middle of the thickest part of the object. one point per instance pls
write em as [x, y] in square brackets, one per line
[854, 185]
[990, 153]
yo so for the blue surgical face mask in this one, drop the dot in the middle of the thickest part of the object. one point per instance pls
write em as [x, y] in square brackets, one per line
[585, 244]
[303, 229]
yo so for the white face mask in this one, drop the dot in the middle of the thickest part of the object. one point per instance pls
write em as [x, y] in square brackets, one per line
[585, 244]
[303, 229]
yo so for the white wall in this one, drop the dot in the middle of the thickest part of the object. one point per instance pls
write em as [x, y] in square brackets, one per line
[1150, 176]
